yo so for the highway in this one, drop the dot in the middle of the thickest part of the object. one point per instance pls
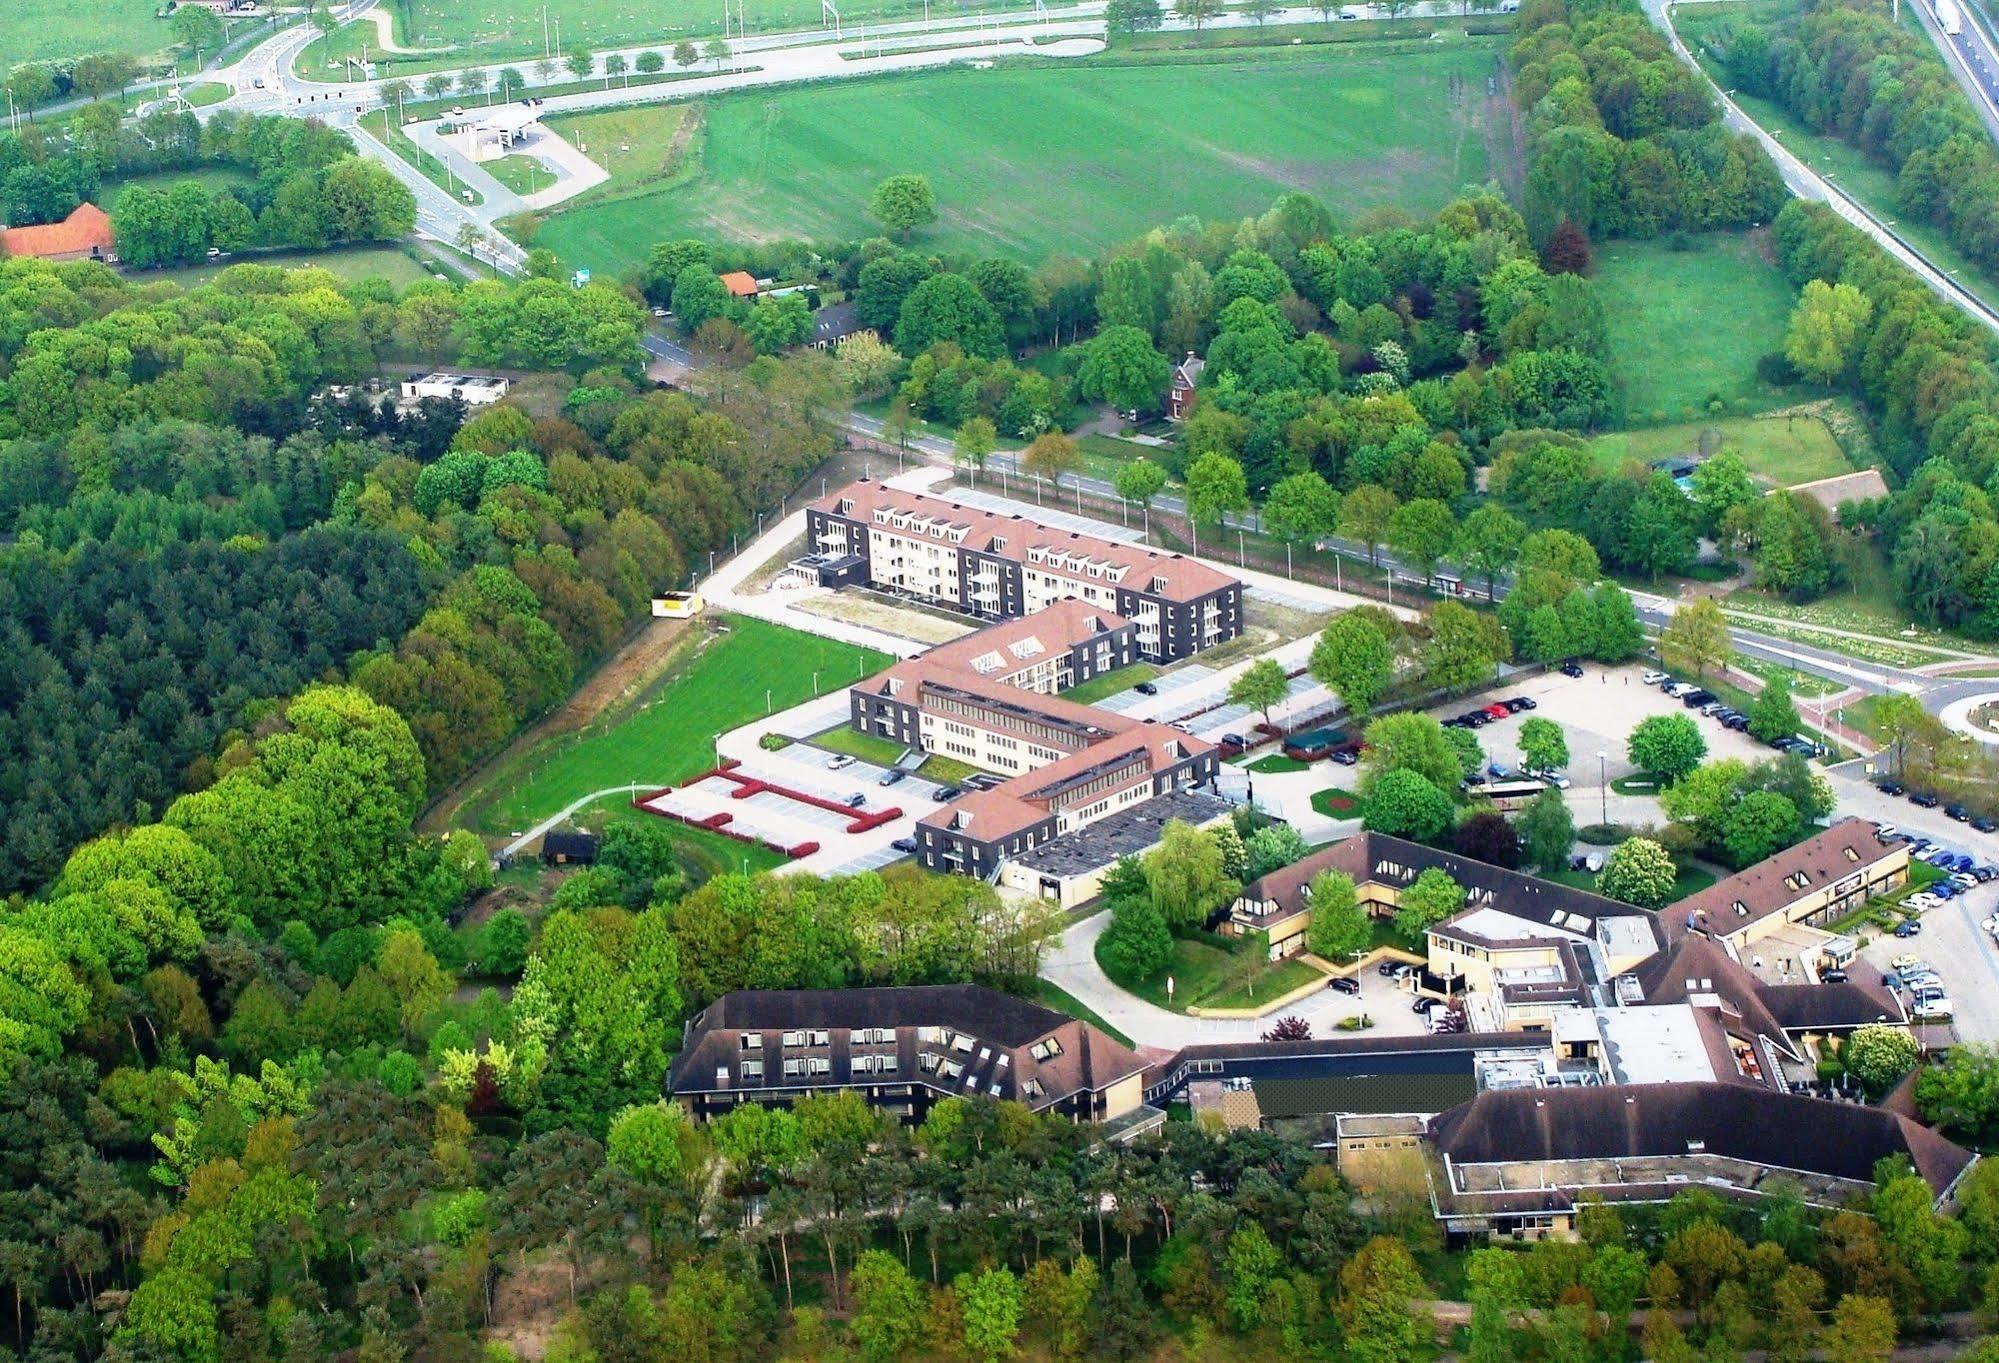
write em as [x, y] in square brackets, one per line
[1970, 54]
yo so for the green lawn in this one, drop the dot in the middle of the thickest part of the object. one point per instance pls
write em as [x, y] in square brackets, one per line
[1691, 880]
[652, 132]
[1785, 450]
[1050, 995]
[670, 733]
[1337, 804]
[1272, 764]
[1361, 128]
[883, 753]
[206, 93]
[350, 263]
[1264, 985]
[1104, 455]
[522, 174]
[1688, 326]
[36, 30]
[1199, 967]
[1110, 683]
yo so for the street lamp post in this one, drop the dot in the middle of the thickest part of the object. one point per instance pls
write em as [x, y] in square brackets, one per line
[1603, 781]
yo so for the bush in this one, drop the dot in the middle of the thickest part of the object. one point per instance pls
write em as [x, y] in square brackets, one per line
[1136, 945]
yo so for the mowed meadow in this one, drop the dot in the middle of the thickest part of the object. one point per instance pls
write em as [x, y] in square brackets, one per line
[1030, 161]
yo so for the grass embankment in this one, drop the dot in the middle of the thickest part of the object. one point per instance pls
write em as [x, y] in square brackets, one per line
[669, 733]
[1211, 971]
[1687, 326]
[1362, 129]
[384, 126]
[883, 752]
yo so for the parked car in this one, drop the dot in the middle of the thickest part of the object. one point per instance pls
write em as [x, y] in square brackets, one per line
[1712, 708]
[1346, 984]
[1146, 689]
[1885, 831]
[1739, 723]
[1519, 703]
[949, 792]
[1908, 960]
[1497, 710]
[1680, 690]
[1909, 927]
[840, 762]
[1957, 811]
[856, 800]
[1832, 977]
[1693, 700]
[1423, 1004]
[1386, 968]
[1572, 668]
[893, 775]
[1558, 779]
[904, 844]
[1888, 785]
[1652, 677]
[1937, 1009]
[1346, 757]
[1500, 771]
[1922, 903]
[1983, 824]
[1922, 799]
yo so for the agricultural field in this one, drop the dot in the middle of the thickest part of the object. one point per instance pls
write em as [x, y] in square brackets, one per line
[1360, 128]
[670, 733]
[1687, 326]
[39, 30]
[1780, 450]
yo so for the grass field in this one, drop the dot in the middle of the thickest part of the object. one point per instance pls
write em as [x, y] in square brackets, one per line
[522, 174]
[1688, 326]
[654, 132]
[1785, 450]
[883, 753]
[206, 93]
[350, 263]
[36, 30]
[1360, 128]
[670, 734]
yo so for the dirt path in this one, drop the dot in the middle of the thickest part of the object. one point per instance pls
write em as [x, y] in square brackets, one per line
[618, 679]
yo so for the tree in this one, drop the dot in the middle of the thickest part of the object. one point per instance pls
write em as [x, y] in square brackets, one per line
[948, 307]
[1862, 1328]
[1421, 533]
[1186, 875]
[1339, 925]
[1137, 944]
[1271, 847]
[1365, 515]
[1050, 455]
[685, 53]
[717, 51]
[1638, 871]
[1354, 660]
[903, 203]
[1196, 12]
[1487, 837]
[1431, 899]
[1548, 830]
[1216, 486]
[1826, 329]
[650, 1142]
[1568, 250]
[1878, 1055]
[889, 1309]
[699, 296]
[1133, 16]
[779, 323]
[196, 29]
[1721, 485]
[652, 61]
[1543, 745]
[1463, 648]
[1414, 742]
[33, 83]
[1757, 824]
[1666, 747]
[1261, 686]
[1406, 805]
[1696, 638]
[615, 66]
[992, 1304]
[1772, 715]
[580, 61]
[1378, 1288]
[1962, 1095]
[972, 442]
[1250, 1265]
[1120, 366]
[1489, 542]
[1140, 481]
[512, 82]
[1301, 507]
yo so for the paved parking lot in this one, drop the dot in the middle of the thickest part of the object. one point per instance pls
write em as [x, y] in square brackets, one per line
[1385, 1000]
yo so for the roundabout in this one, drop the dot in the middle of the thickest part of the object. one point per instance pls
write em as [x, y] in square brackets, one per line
[1974, 717]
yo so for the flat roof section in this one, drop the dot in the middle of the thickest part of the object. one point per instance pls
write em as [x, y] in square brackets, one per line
[1125, 833]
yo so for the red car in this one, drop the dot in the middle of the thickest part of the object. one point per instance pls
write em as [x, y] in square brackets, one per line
[1497, 711]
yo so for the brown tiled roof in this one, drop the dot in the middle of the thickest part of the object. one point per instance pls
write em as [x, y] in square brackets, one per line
[1734, 1121]
[1058, 626]
[87, 227]
[741, 283]
[1865, 485]
[999, 1025]
[1832, 1007]
[1185, 578]
[1697, 965]
[1364, 855]
[1762, 889]
[1026, 799]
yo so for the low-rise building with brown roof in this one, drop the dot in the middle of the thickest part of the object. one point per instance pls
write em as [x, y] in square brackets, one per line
[1518, 1162]
[84, 235]
[1820, 879]
[902, 1049]
[998, 566]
